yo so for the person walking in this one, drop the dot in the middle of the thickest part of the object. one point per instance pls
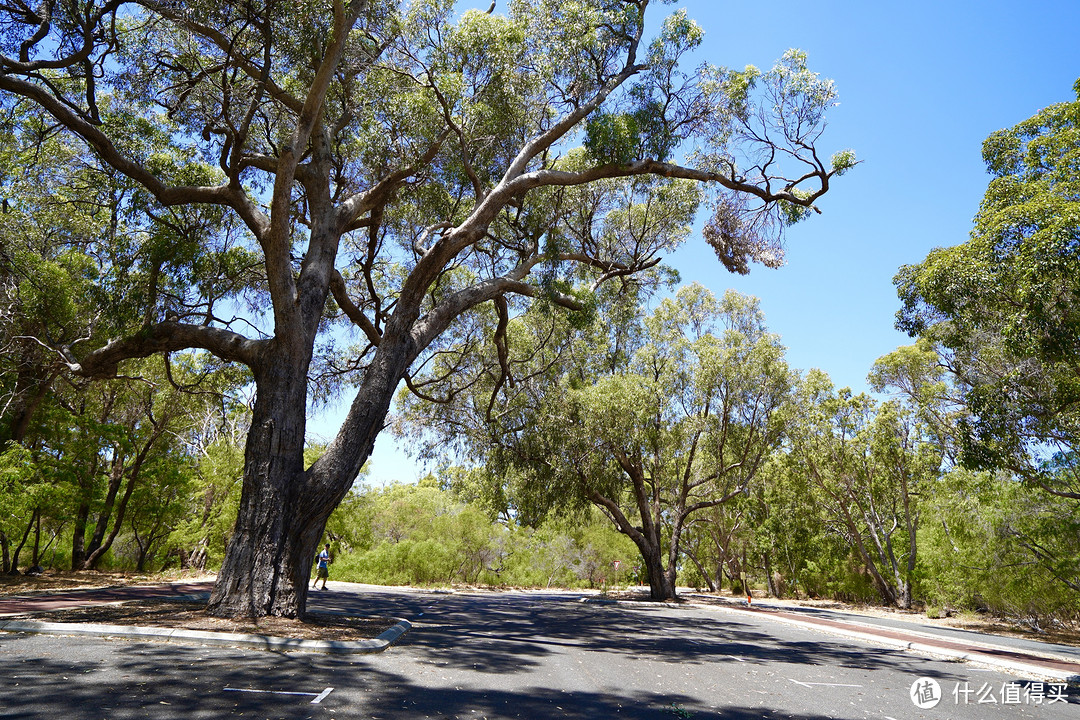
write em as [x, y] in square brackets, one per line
[323, 571]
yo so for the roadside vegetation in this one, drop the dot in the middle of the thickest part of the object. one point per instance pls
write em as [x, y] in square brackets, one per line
[593, 422]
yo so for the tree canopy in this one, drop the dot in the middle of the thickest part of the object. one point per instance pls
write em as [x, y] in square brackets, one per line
[1004, 307]
[651, 419]
[387, 167]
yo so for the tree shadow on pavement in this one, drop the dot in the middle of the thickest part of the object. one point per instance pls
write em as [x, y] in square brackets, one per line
[167, 681]
[511, 633]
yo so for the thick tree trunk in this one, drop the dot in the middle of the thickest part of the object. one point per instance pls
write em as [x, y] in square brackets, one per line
[268, 562]
[660, 585]
[661, 579]
[265, 567]
[674, 546]
[646, 538]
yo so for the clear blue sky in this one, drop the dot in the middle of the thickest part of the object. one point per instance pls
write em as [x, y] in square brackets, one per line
[921, 85]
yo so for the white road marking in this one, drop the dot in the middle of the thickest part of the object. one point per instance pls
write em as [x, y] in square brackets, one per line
[427, 608]
[319, 697]
[810, 684]
[736, 658]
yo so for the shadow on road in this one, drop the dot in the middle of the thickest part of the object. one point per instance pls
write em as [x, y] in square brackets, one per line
[510, 633]
[505, 636]
[166, 681]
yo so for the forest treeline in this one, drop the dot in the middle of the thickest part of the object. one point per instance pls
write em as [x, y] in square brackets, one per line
[635, 432]
[858, 500]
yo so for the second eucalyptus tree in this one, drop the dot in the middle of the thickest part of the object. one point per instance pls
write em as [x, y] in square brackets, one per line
[869, 464]
[1003, 308]
[654, 421]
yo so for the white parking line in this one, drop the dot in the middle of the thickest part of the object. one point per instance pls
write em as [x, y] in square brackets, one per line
[319, 697]
[809, 684]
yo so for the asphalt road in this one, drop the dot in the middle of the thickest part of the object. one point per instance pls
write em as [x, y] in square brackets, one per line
[910, 623]
[527, 655]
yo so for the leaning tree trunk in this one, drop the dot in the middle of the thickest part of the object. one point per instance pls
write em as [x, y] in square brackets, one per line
[704, 573]
[14, 567]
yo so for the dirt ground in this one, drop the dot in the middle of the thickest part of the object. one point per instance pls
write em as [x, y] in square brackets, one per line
[54, 580]
[188, 615]
[965, 621]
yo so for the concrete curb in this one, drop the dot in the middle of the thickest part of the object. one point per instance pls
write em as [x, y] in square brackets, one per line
[201, 637]
[1015, 666]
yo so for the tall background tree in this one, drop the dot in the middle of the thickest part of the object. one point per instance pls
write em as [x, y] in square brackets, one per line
[653, 421]
[870, 465]
[1004, 307]
[390, 167]
[1003, 312]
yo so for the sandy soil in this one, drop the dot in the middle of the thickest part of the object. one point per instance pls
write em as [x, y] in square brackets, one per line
[186, 614]
[191, 616]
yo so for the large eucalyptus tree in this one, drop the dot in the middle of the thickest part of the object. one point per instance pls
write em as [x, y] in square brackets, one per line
[393, 166]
